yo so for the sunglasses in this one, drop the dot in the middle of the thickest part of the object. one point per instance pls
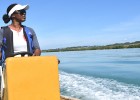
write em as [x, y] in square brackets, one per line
[21, 12]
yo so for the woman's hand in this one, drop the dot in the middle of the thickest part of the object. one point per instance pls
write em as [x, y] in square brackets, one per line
[37, 52]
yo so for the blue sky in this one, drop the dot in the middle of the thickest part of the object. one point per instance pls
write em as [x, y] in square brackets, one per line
[66, 23]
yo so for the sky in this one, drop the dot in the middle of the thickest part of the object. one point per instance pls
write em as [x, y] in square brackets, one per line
[67, 23]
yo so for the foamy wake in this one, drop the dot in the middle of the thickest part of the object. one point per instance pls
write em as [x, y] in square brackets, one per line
[90, 88]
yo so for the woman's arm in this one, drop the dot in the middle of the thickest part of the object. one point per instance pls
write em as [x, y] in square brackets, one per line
[1, 38]
[37, 50]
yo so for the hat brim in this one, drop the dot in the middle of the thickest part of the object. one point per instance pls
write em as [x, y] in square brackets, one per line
[20, 7]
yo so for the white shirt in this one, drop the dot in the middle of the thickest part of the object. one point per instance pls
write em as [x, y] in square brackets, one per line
[19, 41]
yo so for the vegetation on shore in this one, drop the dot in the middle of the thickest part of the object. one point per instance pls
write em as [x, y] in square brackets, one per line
[135, 44]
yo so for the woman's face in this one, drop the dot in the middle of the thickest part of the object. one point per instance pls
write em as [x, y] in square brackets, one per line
[19, 15]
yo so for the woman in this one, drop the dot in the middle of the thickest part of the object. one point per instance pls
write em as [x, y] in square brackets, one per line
[17, 37]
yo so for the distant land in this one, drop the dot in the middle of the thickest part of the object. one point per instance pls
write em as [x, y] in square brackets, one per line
[135, 44]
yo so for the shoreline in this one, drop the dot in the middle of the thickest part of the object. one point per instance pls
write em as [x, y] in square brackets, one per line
[126, 45]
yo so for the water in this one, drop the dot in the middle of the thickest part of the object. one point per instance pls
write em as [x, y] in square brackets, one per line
[100, 74]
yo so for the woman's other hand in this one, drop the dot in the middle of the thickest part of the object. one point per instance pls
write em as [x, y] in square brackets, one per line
[37, 52]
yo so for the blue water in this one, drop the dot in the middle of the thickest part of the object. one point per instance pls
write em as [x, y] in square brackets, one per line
[100, 74]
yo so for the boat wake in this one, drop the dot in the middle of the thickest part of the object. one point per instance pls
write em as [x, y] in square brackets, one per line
[91, 88]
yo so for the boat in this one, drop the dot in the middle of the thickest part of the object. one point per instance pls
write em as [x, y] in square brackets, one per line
[31, 78]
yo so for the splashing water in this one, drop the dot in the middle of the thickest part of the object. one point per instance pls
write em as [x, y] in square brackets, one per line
[91, 88]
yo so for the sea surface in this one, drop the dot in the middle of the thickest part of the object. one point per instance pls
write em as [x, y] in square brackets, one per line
[100, 74]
